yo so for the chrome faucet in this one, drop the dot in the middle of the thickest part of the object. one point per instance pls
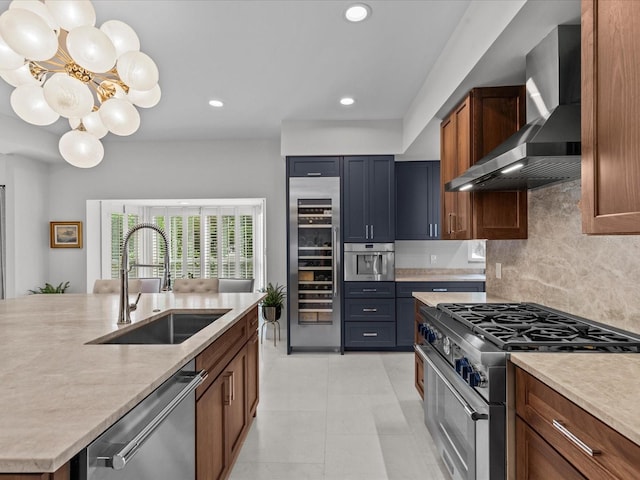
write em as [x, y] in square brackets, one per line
[124, 315]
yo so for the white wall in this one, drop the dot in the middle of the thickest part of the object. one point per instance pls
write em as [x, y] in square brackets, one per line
[27, 230]
[220, 169]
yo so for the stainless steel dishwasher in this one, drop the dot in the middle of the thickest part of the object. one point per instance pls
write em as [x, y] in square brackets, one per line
[155, 440]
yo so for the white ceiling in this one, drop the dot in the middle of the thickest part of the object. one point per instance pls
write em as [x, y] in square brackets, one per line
[275, 60]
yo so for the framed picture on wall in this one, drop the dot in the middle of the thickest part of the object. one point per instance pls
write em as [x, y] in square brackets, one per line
[66, 234]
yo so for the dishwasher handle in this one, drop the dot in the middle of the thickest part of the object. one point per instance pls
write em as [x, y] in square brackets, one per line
[120, 459]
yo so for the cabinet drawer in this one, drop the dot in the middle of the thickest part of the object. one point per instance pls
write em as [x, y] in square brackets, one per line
[548, 413]
[369, 289]
[314, 166]
[217, 355]
[405, 289]
[374, 334]
[369, 310]
[537, 459]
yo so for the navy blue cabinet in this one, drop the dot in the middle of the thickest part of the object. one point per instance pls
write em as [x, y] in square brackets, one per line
[369, 199]
[313, 166]
[405, 304]
[369, 315]
[417, 200]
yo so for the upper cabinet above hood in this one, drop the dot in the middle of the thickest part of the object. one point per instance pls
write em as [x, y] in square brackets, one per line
[547, 149]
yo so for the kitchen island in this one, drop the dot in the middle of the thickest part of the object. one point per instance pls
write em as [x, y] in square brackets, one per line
[59, 391]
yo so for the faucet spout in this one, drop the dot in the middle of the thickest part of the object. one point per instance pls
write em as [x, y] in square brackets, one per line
[124, 314]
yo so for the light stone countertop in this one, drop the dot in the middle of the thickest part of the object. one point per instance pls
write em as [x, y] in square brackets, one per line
[603, 384]
[441, 277]
[58, 393]
[434, 298]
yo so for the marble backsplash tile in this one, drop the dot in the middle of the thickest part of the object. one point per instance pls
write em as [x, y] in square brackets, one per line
[597, 277]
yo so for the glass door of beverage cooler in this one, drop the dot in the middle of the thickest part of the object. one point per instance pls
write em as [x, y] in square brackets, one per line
[314, 263]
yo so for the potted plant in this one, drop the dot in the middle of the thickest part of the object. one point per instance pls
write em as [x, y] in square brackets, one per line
[273, 302]
[48, 288]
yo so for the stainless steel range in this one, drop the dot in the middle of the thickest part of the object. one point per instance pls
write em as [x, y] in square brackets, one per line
[465, 349]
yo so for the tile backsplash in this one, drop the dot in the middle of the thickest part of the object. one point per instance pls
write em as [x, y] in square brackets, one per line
[596, 277]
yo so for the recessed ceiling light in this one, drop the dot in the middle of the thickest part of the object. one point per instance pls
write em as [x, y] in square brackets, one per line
[346, 101]
[216, 103]
[357, 12]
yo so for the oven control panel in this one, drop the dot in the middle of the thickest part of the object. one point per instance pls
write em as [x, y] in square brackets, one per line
[474, 374]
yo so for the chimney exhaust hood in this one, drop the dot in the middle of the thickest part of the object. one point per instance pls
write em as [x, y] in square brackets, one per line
[547, 149]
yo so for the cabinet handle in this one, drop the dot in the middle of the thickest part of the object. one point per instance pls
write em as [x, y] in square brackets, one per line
[371, 232]
[366, 232]
[369, 289]
[314, 174]
[439, 290]
[575, 440]
[370, 334]
[431, 229]
[228, 385]
[370, 310]
[436, 229]
[450, 227]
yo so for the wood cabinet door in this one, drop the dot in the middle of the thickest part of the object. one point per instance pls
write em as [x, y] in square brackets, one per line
[448, 169]
[537, 460]
[211, 431]
[253, 368]
[238, 407]
[610, 127]
[462, 216]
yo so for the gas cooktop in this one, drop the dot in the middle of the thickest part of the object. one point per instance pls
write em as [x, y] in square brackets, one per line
[529, 326]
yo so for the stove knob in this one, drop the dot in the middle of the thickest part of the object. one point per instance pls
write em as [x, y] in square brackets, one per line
[431, 336]
[475, 379]
[462, 364]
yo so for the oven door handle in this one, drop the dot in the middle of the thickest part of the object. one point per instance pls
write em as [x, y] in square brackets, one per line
[438, 369]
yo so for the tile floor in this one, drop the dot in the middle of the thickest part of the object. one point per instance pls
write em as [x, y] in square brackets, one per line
[326, 416]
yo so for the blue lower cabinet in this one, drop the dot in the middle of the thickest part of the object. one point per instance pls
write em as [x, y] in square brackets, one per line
[369, 310]
[405, 304]
[370, 334]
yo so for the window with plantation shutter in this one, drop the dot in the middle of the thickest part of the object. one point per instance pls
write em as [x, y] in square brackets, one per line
[206, 241]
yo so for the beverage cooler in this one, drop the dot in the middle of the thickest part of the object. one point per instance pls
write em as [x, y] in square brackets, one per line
[314, 263]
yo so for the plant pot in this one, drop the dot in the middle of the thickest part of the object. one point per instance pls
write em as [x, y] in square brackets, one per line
[271, 314]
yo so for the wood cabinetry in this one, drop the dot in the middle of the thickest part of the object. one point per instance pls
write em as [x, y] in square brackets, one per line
[368, 193]
[227, 400]
[556, 437]
[610, 104]
[63, 473]
[417, 200]
[483, 120]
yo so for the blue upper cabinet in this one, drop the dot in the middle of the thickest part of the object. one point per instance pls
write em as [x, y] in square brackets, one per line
[417, 200]
[313, 166]
[369, 199]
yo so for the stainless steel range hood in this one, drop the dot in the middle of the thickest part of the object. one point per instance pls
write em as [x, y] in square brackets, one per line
[547, 149]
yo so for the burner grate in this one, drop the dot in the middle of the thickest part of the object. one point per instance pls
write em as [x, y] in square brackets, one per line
[527, 326]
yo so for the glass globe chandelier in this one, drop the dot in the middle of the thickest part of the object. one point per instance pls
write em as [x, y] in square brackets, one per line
[61, 64]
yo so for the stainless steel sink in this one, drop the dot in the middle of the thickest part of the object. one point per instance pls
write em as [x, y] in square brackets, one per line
[170, 329]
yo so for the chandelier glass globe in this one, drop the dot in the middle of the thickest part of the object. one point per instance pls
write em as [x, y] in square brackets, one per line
[61, 64]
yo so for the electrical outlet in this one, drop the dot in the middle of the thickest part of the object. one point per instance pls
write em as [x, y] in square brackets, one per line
[498, 270]
[434, 259]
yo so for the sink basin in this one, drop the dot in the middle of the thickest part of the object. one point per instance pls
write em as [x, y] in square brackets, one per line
[170, 329]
